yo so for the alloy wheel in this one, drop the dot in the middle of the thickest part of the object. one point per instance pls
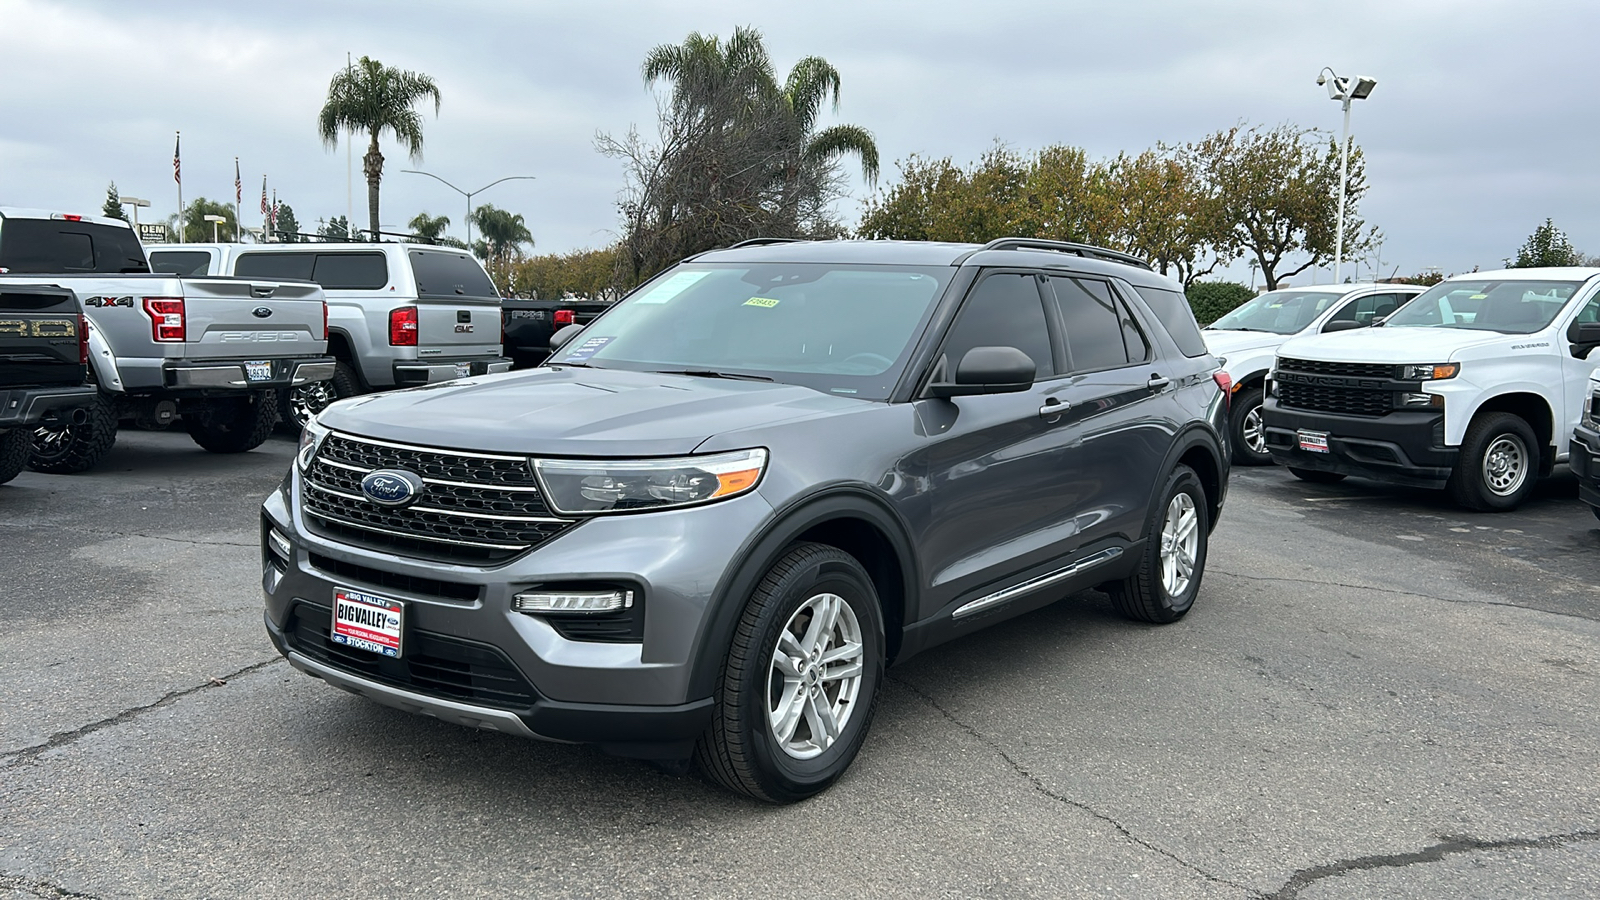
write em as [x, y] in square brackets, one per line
[1255, 437]
[1180, 544]
[815, 676]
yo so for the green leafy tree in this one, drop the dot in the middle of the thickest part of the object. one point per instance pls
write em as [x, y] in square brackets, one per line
[288, 227]
[374, 99]
[113, 205]
[584, 273]
[195, 228]
[336, 228]
[504, 233]
[1547, 246]
[1211, 300]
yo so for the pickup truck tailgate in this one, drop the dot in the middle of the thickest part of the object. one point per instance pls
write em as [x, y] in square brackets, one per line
[232, 318]
[39, 333]
[458, 325]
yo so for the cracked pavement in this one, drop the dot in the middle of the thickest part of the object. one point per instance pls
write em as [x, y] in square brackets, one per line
[1376, 695]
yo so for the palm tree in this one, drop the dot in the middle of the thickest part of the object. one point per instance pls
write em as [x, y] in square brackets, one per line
[428, 227]
[810, 83]
[373, 98]
[504, 234]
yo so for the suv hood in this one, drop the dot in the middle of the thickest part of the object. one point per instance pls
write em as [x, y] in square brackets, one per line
[1391, 345]
[577, 412]
[1222, 343]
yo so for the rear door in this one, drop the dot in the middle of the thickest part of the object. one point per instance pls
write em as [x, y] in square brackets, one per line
[458, 308]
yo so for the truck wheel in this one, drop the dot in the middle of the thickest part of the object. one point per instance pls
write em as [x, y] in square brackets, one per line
[1247, 434]
[297, 405]
[14, 447]
[1316, 476]
[800, 682]
[1163, 586]
[231, 425]
[1499, 464]
[66, 449]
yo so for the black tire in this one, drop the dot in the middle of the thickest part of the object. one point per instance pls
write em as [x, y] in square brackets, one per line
[15, 445]
[64, 449]
[1145, 595]
[1244, 420]
[740, 750]
[296, 405]
[1595, 510]
[231, 425]
[1316, 476]
[1499, 464]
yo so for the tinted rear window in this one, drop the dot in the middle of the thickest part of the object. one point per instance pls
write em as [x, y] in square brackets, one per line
[351, 271]
[1173, 310]
[447, 275]
[180, 262]
[275, 265]
[56, 246]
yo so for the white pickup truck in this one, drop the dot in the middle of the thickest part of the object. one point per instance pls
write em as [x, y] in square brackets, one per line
[214, 350]
[1247, 338]
[1475, 386]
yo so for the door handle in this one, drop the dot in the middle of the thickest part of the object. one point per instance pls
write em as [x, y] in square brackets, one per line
[1157, 382]
[1053, 407]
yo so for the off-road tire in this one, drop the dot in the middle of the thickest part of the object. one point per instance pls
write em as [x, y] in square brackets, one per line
[1143, 595]
[1317, 476]
[344, 383]
[15, 445]
[1245, 403]
[739, 750]
[64, 449]
[231, 425]
[1469, 483]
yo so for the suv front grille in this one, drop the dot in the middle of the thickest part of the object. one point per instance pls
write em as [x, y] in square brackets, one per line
[474, 508]
[436, 665]
[1348, 370]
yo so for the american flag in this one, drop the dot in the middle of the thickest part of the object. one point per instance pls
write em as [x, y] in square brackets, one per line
[177, 169]
[265, 208]
[238, 186]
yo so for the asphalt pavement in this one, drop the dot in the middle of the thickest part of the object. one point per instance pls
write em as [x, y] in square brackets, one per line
[1376, 695]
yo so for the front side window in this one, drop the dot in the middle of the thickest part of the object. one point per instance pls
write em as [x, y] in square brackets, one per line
[1506, 305]
[841, 329]
[1003, 310]
[1279, 312]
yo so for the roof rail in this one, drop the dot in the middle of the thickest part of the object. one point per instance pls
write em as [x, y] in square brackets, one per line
[761, 241]
[1088, 251]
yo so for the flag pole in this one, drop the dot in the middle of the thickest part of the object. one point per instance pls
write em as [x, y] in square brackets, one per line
[238, 204]
[349, 159]
[177, 175]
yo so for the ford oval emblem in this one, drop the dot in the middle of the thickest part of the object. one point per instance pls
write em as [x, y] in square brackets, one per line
[261, 312]
[392, 487]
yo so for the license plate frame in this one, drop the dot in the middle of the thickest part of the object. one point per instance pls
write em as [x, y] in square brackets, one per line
[464, 370]
[257, 371]
[365, 621]
[1313, 441]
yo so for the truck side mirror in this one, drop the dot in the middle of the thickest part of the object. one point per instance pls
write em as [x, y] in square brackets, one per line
[1341, 325]
[988, 370]
[1583, 336]
[563, 334]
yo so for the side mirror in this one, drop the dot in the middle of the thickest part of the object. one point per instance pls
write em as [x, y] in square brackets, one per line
[563, 334]
[988, 370]
[1584, 336]
[1341, 325]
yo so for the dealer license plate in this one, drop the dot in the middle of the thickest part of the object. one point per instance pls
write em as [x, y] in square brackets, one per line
[1314, 441]
[463, 369]
[258, 371]
[367, 622]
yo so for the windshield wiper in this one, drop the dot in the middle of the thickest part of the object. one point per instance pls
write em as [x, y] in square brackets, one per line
[711, 373]
[1262, 330]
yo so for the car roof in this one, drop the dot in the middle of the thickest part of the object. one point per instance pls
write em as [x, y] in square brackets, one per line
[1546, 273]
[20, 212]
[1345, 287]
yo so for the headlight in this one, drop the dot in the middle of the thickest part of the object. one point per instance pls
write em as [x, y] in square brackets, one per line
[600, 486]
[310, 439]
[1429, 372]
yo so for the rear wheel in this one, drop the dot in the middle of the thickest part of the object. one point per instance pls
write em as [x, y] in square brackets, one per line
[297, 405]
[1499, 464]
[1316, 476]
[1163, 586]
[66, 449]
[231, 424]
[14, 447]
[798, 687]
[1248, 435]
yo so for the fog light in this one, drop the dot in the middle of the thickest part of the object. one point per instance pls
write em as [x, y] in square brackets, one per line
[1414, 400]
[280, 545]
[582, 602]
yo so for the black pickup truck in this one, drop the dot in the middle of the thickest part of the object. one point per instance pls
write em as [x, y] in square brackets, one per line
[526, 325]
[44, 356]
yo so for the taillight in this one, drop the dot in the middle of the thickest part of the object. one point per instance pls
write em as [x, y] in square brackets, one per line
[1224, 381]
[563, 317]
[324, 320]
[403, 327]
[166, 318]
[83, 339]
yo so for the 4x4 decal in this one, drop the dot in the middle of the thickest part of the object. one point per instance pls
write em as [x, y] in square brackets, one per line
[104, 302]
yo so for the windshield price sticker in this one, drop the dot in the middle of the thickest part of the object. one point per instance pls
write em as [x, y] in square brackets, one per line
[367, 622]
[765, 302]
[672, 287]
[588, 348]
[258, 371]
[1314, 441]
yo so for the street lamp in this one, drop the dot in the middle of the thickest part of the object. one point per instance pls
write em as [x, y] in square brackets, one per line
[216, 222]
[1344, 91]
[468, 194]
[136, 203]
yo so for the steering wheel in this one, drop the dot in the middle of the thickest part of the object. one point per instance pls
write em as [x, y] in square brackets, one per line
[868, 358]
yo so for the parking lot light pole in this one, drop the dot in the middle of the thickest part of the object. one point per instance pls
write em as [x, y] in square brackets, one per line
[1344, 91]
[216, 222]
[135, 203]
[469, 194]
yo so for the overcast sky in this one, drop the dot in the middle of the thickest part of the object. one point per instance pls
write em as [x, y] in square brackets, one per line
[1482, 125]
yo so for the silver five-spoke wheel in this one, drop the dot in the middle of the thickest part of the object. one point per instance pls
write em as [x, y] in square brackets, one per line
[1180, 544]
[1255, 438]
[815, 676]
[1505, 465]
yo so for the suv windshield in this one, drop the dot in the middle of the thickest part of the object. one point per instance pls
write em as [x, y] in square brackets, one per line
[1280, 312]
[1505, 305]
[836, 328]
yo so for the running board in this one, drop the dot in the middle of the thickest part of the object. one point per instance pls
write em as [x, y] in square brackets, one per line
[1033, 584]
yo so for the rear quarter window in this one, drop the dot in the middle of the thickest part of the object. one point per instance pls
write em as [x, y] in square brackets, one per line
[446, 275]
[275, 265]
[351, 271]
[1173, 311]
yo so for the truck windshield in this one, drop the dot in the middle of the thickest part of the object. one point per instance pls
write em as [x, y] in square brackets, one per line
[62, 246]
[844, 330]
[1505, 305]
[1280, 312]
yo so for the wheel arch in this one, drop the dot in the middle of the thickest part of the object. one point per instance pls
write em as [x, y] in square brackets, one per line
[1532, 408]
[1200, 450]
[850, 517]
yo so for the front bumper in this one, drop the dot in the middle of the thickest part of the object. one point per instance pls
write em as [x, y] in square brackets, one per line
[234, 375]
[1584, 461]
[23, 407]
[414, 372]
[1402, 447]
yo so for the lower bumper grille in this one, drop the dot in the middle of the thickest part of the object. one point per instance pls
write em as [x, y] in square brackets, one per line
[1347, 401]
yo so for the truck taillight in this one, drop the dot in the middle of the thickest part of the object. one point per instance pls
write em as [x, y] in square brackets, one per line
[166, 318]
[83, 339]
[563, 317]
[403, 327]
[324, 320]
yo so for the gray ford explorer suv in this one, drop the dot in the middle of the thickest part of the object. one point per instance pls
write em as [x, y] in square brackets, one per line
[709, 522]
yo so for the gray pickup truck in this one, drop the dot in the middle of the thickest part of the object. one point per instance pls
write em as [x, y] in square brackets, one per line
[214, 351]
[44, 352]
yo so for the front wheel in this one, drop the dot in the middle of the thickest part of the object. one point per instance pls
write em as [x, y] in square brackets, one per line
[231, 424]
[1248, 434]
[1499, 464]
[1163, 586]
[800, 681]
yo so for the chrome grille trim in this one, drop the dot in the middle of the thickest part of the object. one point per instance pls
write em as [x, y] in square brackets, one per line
[443, 451]
[542, 520]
